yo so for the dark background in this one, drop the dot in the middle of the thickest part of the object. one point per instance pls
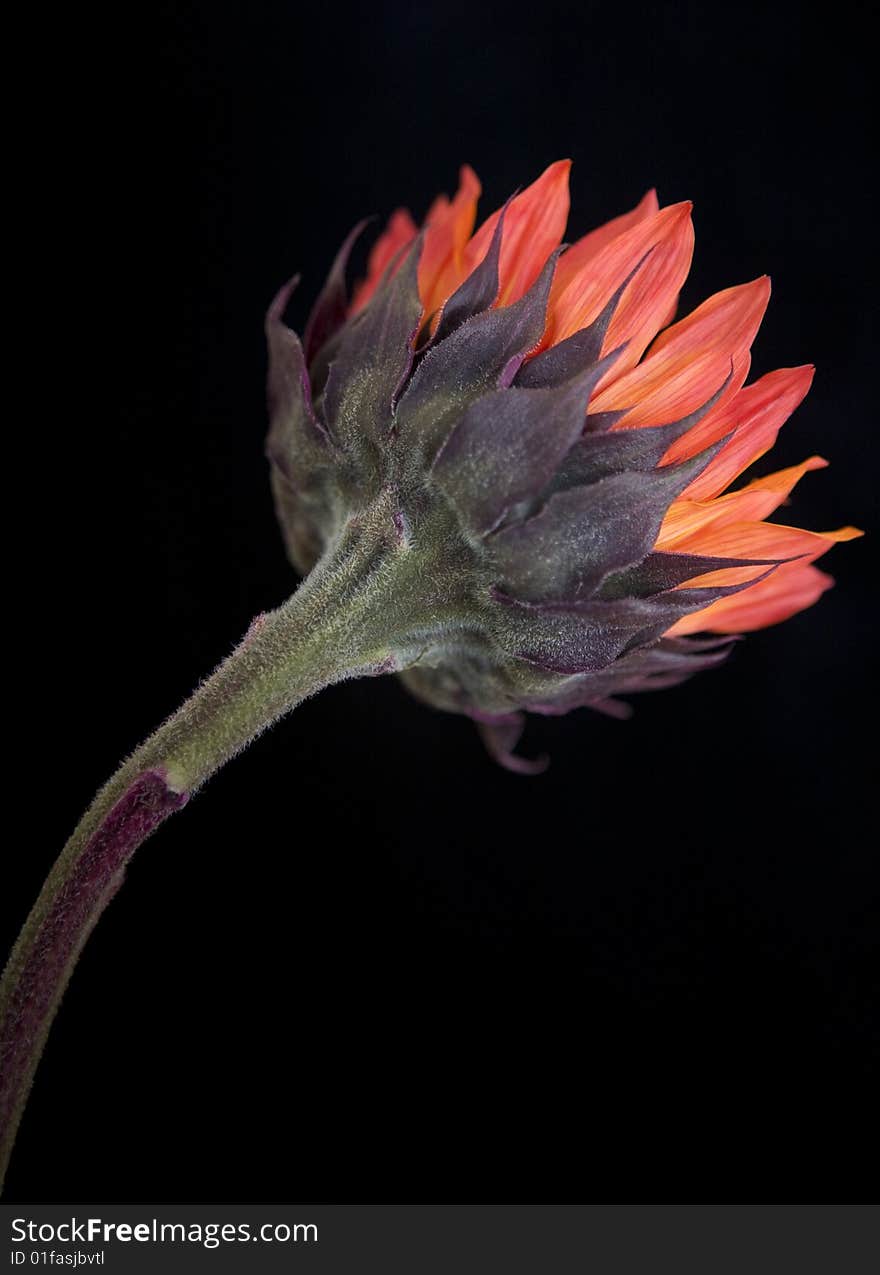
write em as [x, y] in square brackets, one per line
[365, 964]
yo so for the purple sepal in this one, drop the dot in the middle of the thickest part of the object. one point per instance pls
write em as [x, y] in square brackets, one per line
[668, 663]
[660, 571]
[601, 422]
[688, 645]
[599, 454]
[603, 450]
[293, 423]
[374, 358]
[478, 292]
[501, 736]
[565, 359]
[303, 460]
[581, 637]
[690, 600]
[330, 311]
[561, 362]
[585, 533]
[508, 444]
[468, 364]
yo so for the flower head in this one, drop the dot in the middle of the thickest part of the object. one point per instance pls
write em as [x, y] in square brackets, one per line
[555, 474]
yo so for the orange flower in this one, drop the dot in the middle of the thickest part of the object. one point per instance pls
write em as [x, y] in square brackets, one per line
[642, 259]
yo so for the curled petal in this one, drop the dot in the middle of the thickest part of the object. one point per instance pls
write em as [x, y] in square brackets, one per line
[501, 736]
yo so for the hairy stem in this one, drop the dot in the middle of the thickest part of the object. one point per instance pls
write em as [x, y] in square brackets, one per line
[344, 621]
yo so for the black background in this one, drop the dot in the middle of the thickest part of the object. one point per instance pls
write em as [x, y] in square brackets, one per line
[365, 964]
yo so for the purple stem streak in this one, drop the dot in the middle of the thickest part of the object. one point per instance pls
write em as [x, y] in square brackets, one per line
[46, 957]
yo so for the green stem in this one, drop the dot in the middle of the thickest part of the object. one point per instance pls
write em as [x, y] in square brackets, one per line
[346, 620]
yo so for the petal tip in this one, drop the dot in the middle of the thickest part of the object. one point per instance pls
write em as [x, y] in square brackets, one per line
[468, 178]
[558, 171]
[758, 289]
[676, 216]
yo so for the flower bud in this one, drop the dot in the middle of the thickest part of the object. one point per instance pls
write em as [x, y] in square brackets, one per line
[539, 488]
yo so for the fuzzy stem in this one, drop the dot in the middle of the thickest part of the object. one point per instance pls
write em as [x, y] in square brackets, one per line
[340, 623]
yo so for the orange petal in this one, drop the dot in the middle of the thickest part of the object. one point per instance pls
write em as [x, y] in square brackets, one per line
[761, 540]
[533, 227]
[758, 409]
[448, 228]
[689, 361]
[757, 540]
[661, 247]
[792, 588]
[670, 314]
[590, 245]
[437, 209]
[756, 414]
[754, 502]
[400, 231]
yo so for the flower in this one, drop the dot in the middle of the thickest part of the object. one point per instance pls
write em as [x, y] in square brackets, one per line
[556, 474]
